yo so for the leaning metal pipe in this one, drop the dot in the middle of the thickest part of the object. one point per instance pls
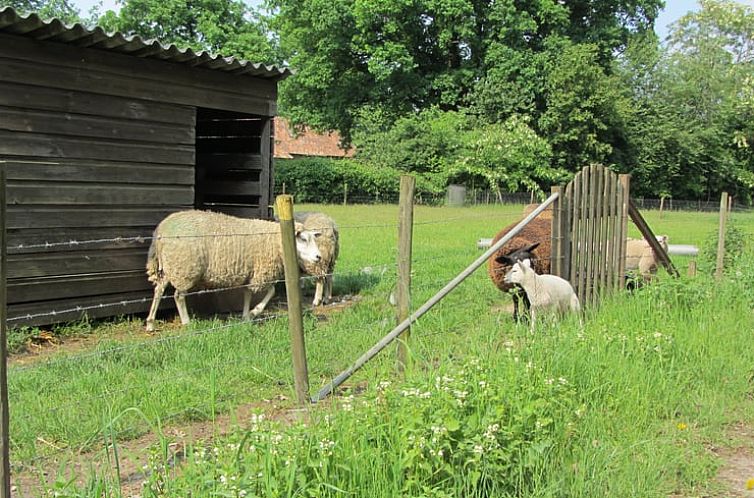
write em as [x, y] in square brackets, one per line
[429, 304]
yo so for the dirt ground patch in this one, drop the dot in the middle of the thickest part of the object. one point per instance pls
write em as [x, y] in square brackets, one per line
[737, 463]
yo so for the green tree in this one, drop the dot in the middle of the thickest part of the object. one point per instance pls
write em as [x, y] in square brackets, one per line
[407, 55]
[692, 129]
[508, 156]
[228, 27]
[46, 9]
[584, 106]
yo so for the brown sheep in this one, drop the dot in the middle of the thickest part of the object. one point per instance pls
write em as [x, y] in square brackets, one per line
[533, 242]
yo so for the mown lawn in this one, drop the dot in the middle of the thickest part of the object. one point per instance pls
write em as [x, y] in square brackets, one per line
[622, 407]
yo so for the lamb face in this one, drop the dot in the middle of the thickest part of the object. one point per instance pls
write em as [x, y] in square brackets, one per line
[517, 273]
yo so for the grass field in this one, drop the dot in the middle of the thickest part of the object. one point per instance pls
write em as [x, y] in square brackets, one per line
[622, 407]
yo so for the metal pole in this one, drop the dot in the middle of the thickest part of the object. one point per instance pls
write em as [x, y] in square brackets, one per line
[293, 292]
[405, 232]
[343, 376]
[4, 412]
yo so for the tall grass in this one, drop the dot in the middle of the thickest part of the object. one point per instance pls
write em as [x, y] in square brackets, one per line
[622, 407]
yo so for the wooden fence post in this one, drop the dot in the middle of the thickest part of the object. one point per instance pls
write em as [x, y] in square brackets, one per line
[4, 412]
[293, 290]
[345, 193]
[625, 182]
[405, 233]
[692, 268]
[721, 236]
[556, 234]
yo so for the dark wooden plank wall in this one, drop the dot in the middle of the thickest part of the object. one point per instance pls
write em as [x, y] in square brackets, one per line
[100, 146]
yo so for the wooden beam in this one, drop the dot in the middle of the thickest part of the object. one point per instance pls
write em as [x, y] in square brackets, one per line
[649, 236]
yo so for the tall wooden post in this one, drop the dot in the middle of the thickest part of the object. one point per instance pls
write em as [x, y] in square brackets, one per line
[625, 183]
[405, 234]
[4, 412]
[721, 236]
[293, 290]
[556, 244]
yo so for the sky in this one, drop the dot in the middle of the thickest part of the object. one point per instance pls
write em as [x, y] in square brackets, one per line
[674, 9]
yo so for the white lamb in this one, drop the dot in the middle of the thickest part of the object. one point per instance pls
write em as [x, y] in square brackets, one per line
[547, 293]
[195, 250]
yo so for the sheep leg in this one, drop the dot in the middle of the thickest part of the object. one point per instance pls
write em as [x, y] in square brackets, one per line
[260, 307]
[246, 302]
[159, 289]
[328, 289]
[319, 289]
[180, 303]
[532, 317]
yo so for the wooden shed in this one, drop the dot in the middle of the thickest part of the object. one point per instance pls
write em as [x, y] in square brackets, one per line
[104, 135]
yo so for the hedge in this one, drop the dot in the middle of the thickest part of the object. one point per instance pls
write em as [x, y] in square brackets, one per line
[322, 180]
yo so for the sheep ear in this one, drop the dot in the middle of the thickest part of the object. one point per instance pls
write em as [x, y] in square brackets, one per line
[526, 263]
[504, 260]
[532, 247]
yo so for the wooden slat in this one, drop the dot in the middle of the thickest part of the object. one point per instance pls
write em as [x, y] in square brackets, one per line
[598, 240]
[566, 231]
[78, 170]
[21, 310]
[21, 217]
[220, 187]
[25, 96]
[127, 68]
[80, 125]
[265, 182]
[612, 270]
[605, 231]
[575, 227]
[239, 145]
[240, 211]
[56, 146]
[238, 126]
[89, 79]
[625, 188]
[71, 263]
[28, 240]
[220, 161]
[50, 288]
[40, 192]
[584, 235]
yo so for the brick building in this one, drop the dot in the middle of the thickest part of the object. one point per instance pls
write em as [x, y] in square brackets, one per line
[289, 144]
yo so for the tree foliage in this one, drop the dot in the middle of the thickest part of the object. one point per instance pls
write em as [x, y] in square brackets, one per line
[228, 27]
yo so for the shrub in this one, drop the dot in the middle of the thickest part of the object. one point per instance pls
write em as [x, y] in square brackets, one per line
[735, 244]
[322, 180]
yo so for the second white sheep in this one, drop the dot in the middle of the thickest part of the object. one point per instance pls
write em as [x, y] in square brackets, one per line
[327, 241]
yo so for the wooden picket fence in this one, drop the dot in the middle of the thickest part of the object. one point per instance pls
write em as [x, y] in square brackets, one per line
[590, 223]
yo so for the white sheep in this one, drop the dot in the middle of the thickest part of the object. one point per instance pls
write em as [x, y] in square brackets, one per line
[196, 250]
[641, 257]
[327, 240]
[546, 293]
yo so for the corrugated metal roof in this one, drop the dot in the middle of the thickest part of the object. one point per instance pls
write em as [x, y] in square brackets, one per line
[54, 30]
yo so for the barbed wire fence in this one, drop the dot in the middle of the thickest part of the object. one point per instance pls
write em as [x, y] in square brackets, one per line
[40, 432]
[37, 443]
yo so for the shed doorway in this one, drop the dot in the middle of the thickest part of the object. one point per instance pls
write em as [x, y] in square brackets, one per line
[233, 163]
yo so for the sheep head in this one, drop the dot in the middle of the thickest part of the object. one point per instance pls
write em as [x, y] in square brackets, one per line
[519, 272]
[306, 247]
[518, 255]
